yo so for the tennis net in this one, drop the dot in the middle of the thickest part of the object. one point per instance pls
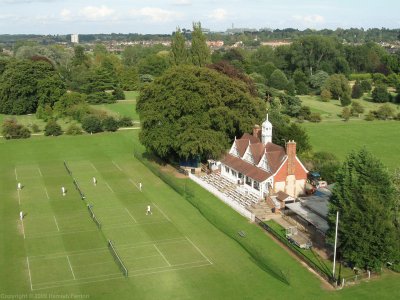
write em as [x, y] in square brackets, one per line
[79, 189]
[67, 168]
[117, 259]
[94, 218]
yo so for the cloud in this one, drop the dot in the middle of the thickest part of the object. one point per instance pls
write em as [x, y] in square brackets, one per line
[182, 2]
[156, 15]
[218, 14]
[66, 14]
[310, 19]
[94, 13]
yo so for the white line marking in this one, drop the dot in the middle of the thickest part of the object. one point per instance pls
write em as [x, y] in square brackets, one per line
[109, 187]
[40, 172]
[23, 228]
[115, 226]
[72, 281]
[55, 221]
[138, 272]
[47, 194]
[94, 167]
[72, 271]
[134, 183]
[162, 212]
[117, 277]
[124, 246]
[29, 271]
[115, 164]
[130, 215]
[15, 171]
[19, 198]
[158, 250]
[198, 250]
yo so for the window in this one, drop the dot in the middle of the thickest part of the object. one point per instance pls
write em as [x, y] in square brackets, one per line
[240, 175]
[233, 173]
[248, 181]
[256, 185]
[226, 169]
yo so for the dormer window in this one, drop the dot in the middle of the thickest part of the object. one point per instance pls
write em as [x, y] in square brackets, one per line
[248, 157]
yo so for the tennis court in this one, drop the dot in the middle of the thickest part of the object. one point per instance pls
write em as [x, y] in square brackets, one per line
[65, 246]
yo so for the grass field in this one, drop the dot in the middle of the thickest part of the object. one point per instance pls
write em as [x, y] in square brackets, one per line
[380, 137]
[125, 107]
[121, 108]
[118, 109]
[331, 110]
[175, 253]
[29, 120]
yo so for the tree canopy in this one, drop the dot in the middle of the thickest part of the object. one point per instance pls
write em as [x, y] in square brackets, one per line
[25, 84]
[365, 197]
[199, 50]
[192, 111]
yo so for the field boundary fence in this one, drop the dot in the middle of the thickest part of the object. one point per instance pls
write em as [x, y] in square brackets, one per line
[294, 249]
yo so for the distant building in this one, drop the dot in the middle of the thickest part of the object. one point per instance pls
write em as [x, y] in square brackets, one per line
[215, 44]
[277, 43]
[75, 38]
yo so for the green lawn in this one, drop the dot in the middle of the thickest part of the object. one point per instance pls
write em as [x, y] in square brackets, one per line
[331, 110]
[118, 109]
[121, 108]
[176, 253]
[131, 95]
[380, 137]
[29, 120]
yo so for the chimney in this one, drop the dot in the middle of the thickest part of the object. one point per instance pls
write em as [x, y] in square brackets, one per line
[257, 131]
[291, 153]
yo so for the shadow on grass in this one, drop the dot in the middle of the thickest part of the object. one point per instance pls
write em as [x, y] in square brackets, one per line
[321, 264]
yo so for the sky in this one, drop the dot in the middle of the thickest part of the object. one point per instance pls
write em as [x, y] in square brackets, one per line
[164, 16]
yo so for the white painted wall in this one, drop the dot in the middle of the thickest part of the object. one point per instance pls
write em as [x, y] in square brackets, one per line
[300, 187]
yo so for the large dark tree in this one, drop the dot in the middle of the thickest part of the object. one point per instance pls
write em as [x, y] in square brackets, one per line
[365, 197]
[25, 84]
[191, 111]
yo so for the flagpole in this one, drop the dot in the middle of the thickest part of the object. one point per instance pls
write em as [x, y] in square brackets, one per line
[334, 253]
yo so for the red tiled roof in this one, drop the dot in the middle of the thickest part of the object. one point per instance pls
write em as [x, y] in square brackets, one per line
[281, 196]
[275, 156]
[245, 168]
[252, 138]
[241, 146]
[257, 150]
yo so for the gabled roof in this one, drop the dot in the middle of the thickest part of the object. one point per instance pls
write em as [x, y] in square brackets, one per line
[251, 138]
[275, 156]
[246, 168]
[257, 150]
[241, 146]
